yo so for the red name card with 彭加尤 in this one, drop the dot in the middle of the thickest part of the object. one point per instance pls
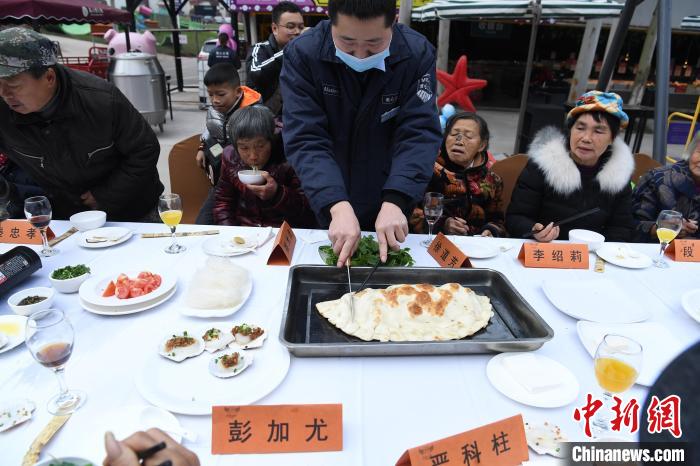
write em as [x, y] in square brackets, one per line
[501, 443]
[283, 247]
[554, 255]
[684, 250]
[21, 232]
[277, 428]
[447, 254]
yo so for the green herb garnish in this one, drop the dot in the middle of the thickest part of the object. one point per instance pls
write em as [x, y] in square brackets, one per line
[367, 254]
[70, 271]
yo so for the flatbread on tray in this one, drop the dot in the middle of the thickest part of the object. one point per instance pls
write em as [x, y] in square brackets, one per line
[420, 312]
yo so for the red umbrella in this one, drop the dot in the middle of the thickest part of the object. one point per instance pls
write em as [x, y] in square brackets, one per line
[60, 11]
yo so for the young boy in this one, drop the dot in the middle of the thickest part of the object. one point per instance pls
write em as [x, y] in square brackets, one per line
[226, 96]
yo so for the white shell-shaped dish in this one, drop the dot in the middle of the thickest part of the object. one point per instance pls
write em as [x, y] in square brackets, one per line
[245, 342]
[213, 345]
[182, 353]
[244, 360]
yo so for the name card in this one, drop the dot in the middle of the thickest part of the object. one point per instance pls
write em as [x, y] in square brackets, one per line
[283, 247]
[501, 443]
[684, 250]
[554, 255]
[447, 254]
[277, 428]
[21, 232]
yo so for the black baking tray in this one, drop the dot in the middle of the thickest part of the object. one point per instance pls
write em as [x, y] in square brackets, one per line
[515, 325]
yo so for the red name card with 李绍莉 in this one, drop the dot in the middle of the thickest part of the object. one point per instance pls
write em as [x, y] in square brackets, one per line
[277, 428]
[21, 232]
[554, 255]
[501, 443]
[283, 247]
[447, 254]
[684, 250]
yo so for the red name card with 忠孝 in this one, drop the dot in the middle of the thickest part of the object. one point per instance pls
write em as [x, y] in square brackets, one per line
[684, 250]
[447, 254]
[21, 232]
[501, 443]
[554, 255]
[277, 428]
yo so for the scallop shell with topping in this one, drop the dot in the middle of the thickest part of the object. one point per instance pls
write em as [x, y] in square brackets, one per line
[230, 363]
[178, 347]
[216, 339]
[248, 336]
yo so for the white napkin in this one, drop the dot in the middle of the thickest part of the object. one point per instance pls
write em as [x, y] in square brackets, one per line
[315, 236]
[535, 374]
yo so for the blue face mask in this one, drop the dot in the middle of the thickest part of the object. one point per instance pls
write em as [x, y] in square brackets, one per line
[363, 64]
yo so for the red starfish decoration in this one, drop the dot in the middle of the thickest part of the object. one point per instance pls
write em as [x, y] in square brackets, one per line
[458, 86]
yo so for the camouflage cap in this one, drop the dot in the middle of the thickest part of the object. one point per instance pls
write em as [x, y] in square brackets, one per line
[22, 49]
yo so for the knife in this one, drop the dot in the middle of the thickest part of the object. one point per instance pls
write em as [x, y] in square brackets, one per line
[585, 213]
[352, 304]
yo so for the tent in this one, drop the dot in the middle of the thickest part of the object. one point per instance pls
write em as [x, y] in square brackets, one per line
[60, 11]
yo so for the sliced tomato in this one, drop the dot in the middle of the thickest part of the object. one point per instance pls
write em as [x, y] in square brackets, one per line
[122, 291]
[109, 291]
[145, 275]
[136, 292]
[140, 282]
[148, 288]
[122, 278]
[157, 280]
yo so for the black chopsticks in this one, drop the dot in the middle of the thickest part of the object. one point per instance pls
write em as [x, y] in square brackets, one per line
[585, 213]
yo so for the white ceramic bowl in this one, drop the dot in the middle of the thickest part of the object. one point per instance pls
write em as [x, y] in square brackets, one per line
[251, 177]
[28, 309]
[591, 238]
[691, 304]
[88, 220]
[70, 285]
[67, 459]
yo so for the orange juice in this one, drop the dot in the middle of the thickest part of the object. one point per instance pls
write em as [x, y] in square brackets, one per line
[171, 217]
[614, 375]
[666, 235]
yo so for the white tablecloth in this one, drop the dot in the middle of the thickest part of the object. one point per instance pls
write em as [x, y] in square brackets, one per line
[389, 404]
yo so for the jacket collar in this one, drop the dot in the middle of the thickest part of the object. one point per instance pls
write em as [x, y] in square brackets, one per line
[550, 152]
[444, 163]
[398, 49]
[273, 43]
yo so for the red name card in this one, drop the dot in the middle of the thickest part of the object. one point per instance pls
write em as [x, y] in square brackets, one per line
[447, 254]
[684, 250]
[501, 443]
[283, 247]
[22, 232]
[554, 255]
[276, 428]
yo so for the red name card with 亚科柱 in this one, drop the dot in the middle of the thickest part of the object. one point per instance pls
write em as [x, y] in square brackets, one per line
[21, 232]
[554, 255]
[501, 443]
[447, 254]
[684, 250]
[277, 428]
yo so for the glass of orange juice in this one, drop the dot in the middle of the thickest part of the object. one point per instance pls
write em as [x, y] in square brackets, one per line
[668, 225]
[170, 210]
[617, 363]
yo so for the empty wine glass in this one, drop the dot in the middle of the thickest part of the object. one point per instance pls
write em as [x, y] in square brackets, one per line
[37, 209]
[49, 337]
[432, 209]
[668, 225]
[170, 209]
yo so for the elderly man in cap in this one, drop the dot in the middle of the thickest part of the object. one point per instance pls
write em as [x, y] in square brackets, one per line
[75, 134]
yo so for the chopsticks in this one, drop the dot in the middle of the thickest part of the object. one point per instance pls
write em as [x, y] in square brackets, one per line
[585, 213]
[65, 235]
[371, 272]
[185, 233]
[352, 304]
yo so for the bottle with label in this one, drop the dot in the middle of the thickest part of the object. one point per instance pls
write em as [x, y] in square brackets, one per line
[16, 265]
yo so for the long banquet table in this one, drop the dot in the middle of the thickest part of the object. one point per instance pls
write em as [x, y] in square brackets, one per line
[389, 403]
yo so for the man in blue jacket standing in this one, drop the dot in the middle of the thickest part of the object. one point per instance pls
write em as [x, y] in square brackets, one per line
[361, 126]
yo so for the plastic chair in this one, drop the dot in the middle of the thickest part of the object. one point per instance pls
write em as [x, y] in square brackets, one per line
[509, 170]
[642, 164]
[187, 179]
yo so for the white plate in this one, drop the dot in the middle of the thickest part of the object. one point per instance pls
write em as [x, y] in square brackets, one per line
[691, 304]
[501, 378]
[123, 310]
[223, 245]
[227, 311]
[658, 344]
[597, 300]
[188, 387]
[15, 412]
[13, 326]
[123, 234]
[91, 290]
[479, 251]
[620, 255]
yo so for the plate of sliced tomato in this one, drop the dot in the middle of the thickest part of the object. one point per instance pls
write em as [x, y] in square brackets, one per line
[127, 288]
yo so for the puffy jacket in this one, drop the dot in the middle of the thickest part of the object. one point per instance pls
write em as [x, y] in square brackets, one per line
[367, 146]
[263, 72]
[94, 140]
[215, 125]
[551, 187]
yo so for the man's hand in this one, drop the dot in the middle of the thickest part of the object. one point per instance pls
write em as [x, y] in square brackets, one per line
[689, 228]
[545, 234]
[89, 200]
[391, 227]
[124, 453]
[264, 191]
[456, 226]
[344, 231]
[199, 158]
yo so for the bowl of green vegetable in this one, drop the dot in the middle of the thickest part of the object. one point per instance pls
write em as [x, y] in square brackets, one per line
[367, 254]
[69, 278]
[66, 461]
[28, 301]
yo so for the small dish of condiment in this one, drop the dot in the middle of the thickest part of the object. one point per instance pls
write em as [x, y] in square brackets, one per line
[30, 300]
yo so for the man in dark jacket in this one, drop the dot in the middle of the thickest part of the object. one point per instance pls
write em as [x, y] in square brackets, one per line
[265, 62]
[361, 126]
[74, 134]
[222, 53]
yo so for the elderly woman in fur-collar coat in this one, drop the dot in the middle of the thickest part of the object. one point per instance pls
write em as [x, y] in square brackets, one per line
[568, 174]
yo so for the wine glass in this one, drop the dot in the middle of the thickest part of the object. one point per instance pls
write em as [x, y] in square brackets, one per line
[618, 361]
[170, 209]
[49, 337]
[37, 209]
[668, 225]
[432, 209]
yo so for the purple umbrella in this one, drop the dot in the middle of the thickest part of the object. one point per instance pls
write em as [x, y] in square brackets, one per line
[60, 11]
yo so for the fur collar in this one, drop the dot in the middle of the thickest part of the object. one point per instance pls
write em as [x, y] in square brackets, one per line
[550, 151]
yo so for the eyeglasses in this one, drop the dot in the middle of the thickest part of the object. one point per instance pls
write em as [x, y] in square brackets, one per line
[291, 27]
